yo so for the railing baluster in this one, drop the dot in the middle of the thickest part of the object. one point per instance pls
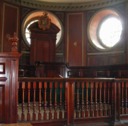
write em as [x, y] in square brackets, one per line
[108, 99]
[50, 100]
[122, 98]
[100, 99]
[55, 101]
[45, 100]
[104, 99]
[28, 104]
[65, 102]
[23, 104]
[87, 107]
[91, 99]
[127, 98]
[18, 101]
[82, 102]
[40, 99]
[96, 105]
[77, 100]
[34, 100]
[60, 112]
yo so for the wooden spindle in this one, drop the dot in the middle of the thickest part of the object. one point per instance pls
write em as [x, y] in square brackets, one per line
[50, 101]
[122, 98]
[65, 102]
[45, 100]
[104, 99]
[82, 102]
[23, 104]
[40, 100]
[127, 98]
[28, 104]
[18, 101]
[91, 99]
[34, 100]
[60, 105]
[100, 99]
[77, 99]
[55, 101]
[87, 107]
[108, 99]
[96, 105]
[125, 101]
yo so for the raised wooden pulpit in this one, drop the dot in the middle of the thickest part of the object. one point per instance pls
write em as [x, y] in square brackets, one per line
[43, 43]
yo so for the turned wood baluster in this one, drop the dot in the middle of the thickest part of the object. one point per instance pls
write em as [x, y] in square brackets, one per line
[60, 113]
[82, 105]
[96, 105]
[125, 109]
[50, 102]
[55, 102]
[40, 100]
[108, 99]
[65, 102]
[34, 100]
[28, 104]
[77, 99]
[104, 99]
[100, 99]
[91, 99]
[45, 100]
[87, 107]
[122, 98]
[23, 104]
[17, 101]
[127, 98]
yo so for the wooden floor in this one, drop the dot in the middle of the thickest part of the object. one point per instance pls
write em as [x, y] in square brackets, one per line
[16, 124]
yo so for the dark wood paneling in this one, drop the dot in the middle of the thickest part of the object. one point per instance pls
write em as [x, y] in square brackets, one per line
[10, 24]
[74, 39]
[8, 87]
[2, 103]
[43, 44]
[106, 59]
[1, 18]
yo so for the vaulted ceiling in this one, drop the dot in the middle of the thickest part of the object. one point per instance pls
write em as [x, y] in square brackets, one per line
[66, 5]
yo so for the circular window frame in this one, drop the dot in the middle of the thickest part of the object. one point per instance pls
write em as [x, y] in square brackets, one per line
[34, 15]
[93, 31]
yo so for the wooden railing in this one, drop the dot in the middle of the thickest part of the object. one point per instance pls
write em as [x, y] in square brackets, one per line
[74, 100]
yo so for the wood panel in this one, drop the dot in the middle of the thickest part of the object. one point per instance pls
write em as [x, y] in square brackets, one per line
[10, 24]
[75, 39]
[8, 87]
[2, 92]
[1, 18]
[99, 59]
[43, 44]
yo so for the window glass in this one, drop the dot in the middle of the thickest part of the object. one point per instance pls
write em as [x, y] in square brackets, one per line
[105, 29]
[110, 31]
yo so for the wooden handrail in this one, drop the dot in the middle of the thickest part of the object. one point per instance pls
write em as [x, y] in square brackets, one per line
[74, 99]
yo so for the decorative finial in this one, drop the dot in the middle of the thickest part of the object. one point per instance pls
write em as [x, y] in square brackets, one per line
[14, 41]
[44, 21]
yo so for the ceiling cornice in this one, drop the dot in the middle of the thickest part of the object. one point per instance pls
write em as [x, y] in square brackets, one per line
[66, 6]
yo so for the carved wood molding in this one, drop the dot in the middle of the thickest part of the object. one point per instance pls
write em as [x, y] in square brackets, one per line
[66, 6]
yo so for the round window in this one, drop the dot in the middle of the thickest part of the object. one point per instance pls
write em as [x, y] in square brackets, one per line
[105, 29]
[32, 18]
